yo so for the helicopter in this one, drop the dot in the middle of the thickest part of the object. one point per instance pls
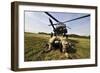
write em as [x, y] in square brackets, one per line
[60, 27]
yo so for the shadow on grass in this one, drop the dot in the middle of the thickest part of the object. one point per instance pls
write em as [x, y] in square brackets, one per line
[72, 46]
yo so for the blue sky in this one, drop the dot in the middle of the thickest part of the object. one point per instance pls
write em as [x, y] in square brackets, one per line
[38, 22]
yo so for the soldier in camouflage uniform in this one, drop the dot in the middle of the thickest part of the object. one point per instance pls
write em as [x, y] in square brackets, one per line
[63, 41]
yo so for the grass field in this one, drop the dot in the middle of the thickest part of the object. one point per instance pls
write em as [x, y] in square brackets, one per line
[34, 44]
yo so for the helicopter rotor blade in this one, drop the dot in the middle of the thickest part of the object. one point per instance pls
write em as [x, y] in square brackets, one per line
[51, 23]
[68, 27]
[77, 18]
[52, 17]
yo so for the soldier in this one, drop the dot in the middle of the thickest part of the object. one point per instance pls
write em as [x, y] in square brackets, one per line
[63, 41]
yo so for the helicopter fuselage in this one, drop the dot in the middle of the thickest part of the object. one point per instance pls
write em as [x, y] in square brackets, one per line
[60, 28]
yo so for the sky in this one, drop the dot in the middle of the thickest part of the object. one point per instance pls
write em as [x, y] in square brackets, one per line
[38, 22]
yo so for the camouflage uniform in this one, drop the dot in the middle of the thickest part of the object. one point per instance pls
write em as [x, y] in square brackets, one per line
[63, 42]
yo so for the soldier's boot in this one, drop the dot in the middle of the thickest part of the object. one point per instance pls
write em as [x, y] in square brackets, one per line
[49, 47]
[65, 52]
[67, 55]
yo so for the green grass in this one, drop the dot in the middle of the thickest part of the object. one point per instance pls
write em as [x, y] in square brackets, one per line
[34, 45]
